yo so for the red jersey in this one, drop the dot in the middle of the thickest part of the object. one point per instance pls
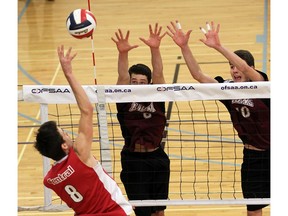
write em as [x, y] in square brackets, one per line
[251, 118]
[87, 190]
[142, 123]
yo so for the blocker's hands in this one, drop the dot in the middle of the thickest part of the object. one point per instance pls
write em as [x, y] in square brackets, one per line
[178, 36]
[155, 36]
[211, 35]
[122, 42]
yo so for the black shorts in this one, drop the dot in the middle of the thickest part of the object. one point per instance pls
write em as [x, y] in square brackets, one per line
[255, 176]
[146, 177]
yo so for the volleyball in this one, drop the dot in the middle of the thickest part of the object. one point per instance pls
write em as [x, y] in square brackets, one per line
[81, 23]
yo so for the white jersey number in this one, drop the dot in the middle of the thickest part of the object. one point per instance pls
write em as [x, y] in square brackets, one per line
[73, 193]
[245, 112]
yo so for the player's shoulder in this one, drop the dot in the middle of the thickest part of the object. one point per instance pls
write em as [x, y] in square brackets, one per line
[264, 75]
[220, 79]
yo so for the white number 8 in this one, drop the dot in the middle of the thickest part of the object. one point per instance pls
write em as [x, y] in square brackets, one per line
[74, 194]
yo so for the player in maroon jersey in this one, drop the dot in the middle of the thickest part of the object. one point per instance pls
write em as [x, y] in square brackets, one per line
[145, 166]
[250, 117]
[76, 176]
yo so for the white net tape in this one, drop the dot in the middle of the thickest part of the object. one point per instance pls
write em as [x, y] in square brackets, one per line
[130, 93]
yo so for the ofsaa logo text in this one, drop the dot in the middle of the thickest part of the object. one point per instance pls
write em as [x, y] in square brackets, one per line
[49, 90]
[175, 88]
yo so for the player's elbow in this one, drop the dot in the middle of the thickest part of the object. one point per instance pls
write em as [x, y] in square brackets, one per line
[88, 109]
[198, 76]
[244, 67]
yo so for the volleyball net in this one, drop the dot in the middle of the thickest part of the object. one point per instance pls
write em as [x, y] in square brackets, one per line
[204, 149]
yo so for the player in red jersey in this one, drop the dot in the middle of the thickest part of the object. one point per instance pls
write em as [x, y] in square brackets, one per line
[145, 166]
[250, 117]
[77, 177]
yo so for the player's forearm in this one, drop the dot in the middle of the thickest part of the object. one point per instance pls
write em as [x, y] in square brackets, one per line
[157, 65]
[194, 68]
[240, 64]
[123, 76]
[81, 97]
[191, 62]
[232, 58]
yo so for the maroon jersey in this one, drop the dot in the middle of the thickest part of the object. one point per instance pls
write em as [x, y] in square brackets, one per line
[251, 119]
[142, 123]
[88, 191]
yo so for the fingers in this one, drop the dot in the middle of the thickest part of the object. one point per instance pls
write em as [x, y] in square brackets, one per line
[188, 33]
[218, 28]
[178, 25]
[73, 56]
[119, 36]
[163, 35]
[150, 29]
[173, 25]
[113, 40]
[210, 28]
[157, 30]
[171, 31]
[203, 30]
[127, 35]
[68, 55]
[169, 34]
[202, 40]
[142, 39]
[68, 52]
[213, 27]
[60, 51]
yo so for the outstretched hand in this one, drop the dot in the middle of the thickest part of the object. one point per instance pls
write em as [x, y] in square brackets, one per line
[155, 36]
[122, 42]
[65, 60]
[178, 36]
[211, 35]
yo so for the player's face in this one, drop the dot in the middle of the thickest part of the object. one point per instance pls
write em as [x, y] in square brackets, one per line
[138, 79]
[65, 136]
[237, 75]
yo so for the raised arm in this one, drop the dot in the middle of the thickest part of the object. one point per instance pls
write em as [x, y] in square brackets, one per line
[123, 47]
[83, 142]
[212, 40]
[182, 39]
[154, 42]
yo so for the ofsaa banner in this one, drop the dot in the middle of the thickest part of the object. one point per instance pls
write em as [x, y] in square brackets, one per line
[62, 94]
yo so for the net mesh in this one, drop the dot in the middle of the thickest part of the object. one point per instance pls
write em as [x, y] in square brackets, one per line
[204, 149]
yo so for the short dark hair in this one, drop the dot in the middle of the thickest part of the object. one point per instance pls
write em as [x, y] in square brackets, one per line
[141, 69]
[49, 140]
[246, 56]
